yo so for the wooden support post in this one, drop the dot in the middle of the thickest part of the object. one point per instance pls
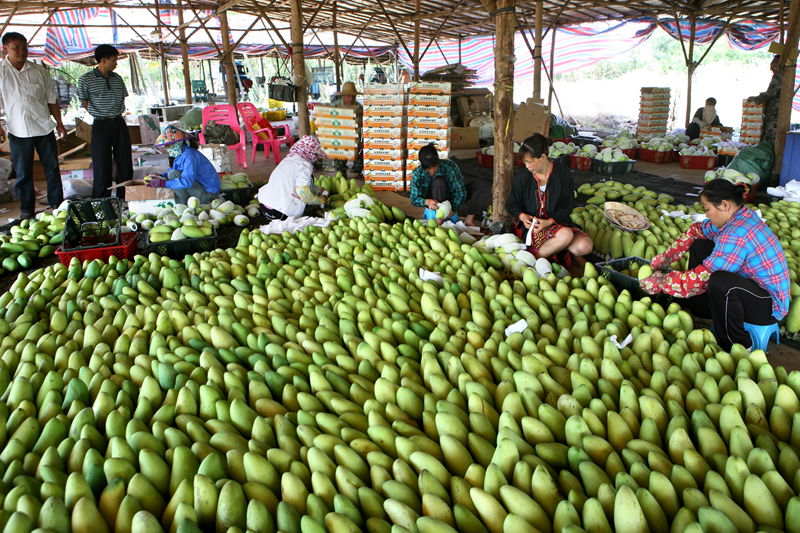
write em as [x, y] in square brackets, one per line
[787, 88]
[299, 68]
[416, 42]
[187, 74]
[505, 24]
[552, 74]
[162, 53]
[211, 77]
[537, 51]
[227, 58]
[336, 56]
[690, 67]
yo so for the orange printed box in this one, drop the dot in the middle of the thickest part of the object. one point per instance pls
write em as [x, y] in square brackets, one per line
[384, 121]
[386, 174]
[432, 111]
[429, 87]
[429, 122]
[332, 142]
[384, 153]
[383, 133]
[383, 164]
[395, 143]
[433, 134]
[340, 122]
[334, 112]
[383, 88]
[415, 144]
[429, 99]
[336, 133]
[340, 153]
[384, 99]
[384, 111]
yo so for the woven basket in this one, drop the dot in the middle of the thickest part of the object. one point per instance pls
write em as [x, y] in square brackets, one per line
[625, 217]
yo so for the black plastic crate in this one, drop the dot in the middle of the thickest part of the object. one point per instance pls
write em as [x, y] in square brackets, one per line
[93, 223]
[282, 93]
[239, 196]
[612, 167]
[181, 248]
[611, 270]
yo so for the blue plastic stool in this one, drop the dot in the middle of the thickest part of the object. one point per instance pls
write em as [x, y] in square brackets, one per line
[430, 214]
[761, 335]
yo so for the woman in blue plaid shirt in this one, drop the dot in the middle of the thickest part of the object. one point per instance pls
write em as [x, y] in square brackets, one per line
[436, 181]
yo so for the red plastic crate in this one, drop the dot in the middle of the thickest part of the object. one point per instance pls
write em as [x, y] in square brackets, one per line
[698, 162]
[565, 140]
[653, 156]
[577, 162]
[751, 194]
[487, 160]
[631, 153]
[125, 250]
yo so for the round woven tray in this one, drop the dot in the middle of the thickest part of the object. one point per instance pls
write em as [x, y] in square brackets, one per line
[625, 217]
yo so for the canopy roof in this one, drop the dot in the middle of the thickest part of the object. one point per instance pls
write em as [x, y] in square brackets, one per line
[394, 21]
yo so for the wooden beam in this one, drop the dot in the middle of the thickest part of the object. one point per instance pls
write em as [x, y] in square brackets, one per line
[438, 31]
[505, 23]
[231, 73]
[42, 25]
[337, 60]
[299, 68]
[5, 24]
[416, 58]
[205, 28]
[552, 73]
[151, 45]
[164, 73]
[313, 16]
[266, 17]
[187, 74]
[537, 52]
[228, 5]
[394, 28]
[789, 64]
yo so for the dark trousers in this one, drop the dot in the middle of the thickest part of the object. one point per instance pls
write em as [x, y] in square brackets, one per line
[110, 141]
[439, 189]
[22, 157]
[732, 300]
[693, 131]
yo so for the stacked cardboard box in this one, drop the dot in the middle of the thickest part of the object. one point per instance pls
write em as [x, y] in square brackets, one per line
[337, 131]
[653, 112]
[752, 122]
[428, 120]
[384, 137]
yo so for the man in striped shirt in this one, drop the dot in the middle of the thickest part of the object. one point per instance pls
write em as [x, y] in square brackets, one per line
[102, 92]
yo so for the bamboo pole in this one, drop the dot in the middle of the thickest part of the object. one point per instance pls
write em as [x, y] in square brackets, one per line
[299, 68]
[789, 64]
[537, 52]
[336, 56]
[690, 67]
[227, 59]
[505, 23]
[416, 41]
[187, 74]
[164, 73]
[552, 73]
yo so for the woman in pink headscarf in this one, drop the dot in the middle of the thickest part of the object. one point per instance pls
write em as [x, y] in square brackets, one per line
[291, 185]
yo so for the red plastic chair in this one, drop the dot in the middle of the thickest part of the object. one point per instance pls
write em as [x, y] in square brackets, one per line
[226, 114]
[258, 125]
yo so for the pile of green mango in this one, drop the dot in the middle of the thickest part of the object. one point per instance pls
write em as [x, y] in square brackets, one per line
[343, 190]
[314, 382]
[32, 238]
[610, 190]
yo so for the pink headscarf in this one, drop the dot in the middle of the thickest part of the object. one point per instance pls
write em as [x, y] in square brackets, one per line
[308, 148]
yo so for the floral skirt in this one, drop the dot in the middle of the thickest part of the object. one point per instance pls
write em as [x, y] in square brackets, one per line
[540, 237]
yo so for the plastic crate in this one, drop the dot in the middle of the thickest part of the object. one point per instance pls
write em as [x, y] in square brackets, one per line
[698, 162]
[631, 152]
[183, 247]
[653, 156]
[565, 140]
[612, 167]
[283, 93]
[611, 270]
[487, 160]
[723, 160]
[751, 192]
[125, 250]
[239, 196]
[92, 223]
[577, 162]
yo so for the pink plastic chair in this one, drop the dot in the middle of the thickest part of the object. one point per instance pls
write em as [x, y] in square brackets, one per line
[256, 125]
[226, 114]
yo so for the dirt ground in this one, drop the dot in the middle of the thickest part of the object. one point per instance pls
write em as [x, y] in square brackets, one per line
[779, 355]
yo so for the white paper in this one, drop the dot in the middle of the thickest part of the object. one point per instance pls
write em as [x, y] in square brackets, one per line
[427, 275]
[627, 341]
[529, 237]
[516, 327]
[293, 224]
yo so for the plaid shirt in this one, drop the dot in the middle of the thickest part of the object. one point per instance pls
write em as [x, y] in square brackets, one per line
[744, 246]
[421, 184]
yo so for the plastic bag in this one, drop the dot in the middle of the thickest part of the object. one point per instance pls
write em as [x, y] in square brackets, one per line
[758, 159]
[193, 119]
[220, 134]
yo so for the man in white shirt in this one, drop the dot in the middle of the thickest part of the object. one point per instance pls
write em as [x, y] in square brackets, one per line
[30, 101]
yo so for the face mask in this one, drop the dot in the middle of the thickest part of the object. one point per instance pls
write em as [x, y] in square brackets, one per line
[174, 150]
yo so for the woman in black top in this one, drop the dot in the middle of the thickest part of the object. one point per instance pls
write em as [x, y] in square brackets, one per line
[541, 201]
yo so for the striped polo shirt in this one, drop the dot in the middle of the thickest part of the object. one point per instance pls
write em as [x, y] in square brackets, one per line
[106, 96]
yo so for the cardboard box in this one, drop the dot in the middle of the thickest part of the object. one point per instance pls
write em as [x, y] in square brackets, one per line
[384, 99]
[137, 191]
[341, 153]
[383, 164]
[149, 206]
[393, 143]
[334, 112]
[429, 87]
[415, 144]
[464, 138]
[338, 144]
[384, 133]
[384, 122]
[383, 89]
[340, 122]
[337, 133]
[429, 122]
[529, 118]
[432, 134]
[428, 111]
[77, 169]
[442, 100]
[149, 129]
[383, 153]
[386, 174]
[384, 111]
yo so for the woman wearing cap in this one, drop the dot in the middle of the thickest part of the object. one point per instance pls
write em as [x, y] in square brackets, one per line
[192, 174]
[541, 201]
[348, 99]
[291, 185]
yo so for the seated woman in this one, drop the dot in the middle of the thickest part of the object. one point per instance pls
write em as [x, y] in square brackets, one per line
[435, 181]
[541, 202]
[704, 117]
[192, 174]
[291, 185]
[737, 267]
